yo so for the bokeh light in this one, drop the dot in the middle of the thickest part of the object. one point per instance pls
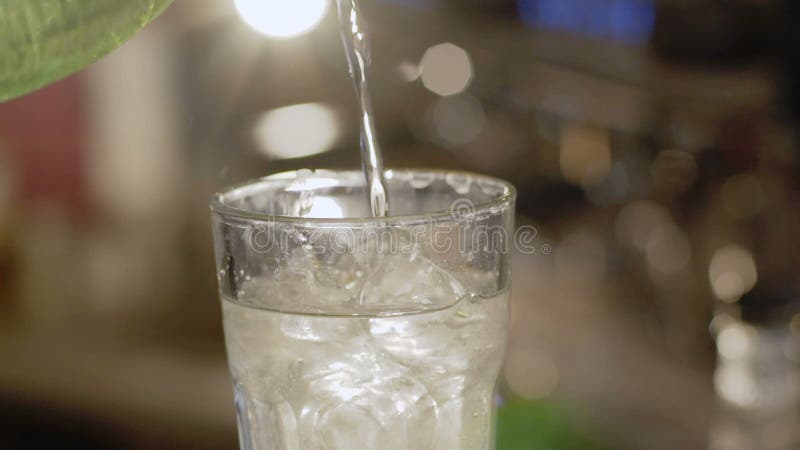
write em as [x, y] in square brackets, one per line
[446, 69]
[408, 71]
[735, 384]
[282, 19]
[734, 341]
[720, 322]
[732, 273]
[297, 131]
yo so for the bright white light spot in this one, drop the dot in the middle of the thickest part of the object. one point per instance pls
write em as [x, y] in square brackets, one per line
[446, 69]
[732, 273]
[297, 131]
[282, 19]
[456, 120]
[733, 342]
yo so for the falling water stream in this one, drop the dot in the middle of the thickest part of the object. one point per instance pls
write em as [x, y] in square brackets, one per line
[356, 45]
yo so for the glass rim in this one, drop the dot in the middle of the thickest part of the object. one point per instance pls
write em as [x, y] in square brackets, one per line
[220, 207]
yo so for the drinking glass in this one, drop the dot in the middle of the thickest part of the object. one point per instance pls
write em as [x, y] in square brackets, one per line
[346, 331]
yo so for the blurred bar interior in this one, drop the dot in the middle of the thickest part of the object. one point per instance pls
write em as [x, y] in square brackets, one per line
[654, 145]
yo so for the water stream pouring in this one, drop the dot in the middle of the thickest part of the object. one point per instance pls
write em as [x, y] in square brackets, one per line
[356, 45]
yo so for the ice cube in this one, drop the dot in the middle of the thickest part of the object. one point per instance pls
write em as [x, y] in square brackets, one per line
[409, 282]
[452, 350]
[354, 409]
[423, 341]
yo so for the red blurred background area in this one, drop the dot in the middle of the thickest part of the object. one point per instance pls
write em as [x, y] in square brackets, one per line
[42, 137]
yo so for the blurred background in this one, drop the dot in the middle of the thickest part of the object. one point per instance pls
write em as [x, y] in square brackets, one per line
[653, 143]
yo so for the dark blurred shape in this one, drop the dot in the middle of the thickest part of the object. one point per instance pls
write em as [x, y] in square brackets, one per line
[24, 426]
[711, 31]
[768, 305]
[788, 49]
[673, 172]
[550, 200]
[496, 7]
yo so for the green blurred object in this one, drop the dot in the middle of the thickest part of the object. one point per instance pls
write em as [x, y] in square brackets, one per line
[541, 425]
[42, 41]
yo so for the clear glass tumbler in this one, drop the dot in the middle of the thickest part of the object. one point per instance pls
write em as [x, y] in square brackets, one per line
[350, 332]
